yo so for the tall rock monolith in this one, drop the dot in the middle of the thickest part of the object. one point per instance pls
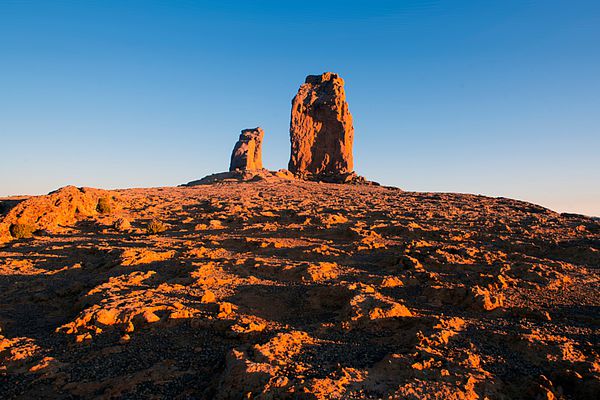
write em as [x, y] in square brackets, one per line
[321, 130]
[247, 153]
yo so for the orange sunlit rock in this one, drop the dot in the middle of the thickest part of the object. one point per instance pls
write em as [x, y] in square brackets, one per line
[247, 153]
[321, 129]
[287, 288]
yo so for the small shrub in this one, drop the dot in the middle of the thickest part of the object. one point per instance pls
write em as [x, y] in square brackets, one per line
[155, 226]
[103, 206]
[22, 231]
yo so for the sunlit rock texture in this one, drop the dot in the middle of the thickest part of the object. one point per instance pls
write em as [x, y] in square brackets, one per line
[247, 153]
[321, 130]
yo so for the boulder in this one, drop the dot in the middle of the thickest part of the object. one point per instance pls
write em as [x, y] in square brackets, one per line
[321, 130]
[247, 153]
[54, 212]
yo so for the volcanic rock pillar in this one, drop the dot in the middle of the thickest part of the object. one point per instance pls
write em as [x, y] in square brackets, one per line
[321, 130]
[247, 153]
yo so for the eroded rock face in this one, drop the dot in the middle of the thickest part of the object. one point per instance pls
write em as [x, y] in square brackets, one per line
[247, 153]
[321, 129]
[55, 212]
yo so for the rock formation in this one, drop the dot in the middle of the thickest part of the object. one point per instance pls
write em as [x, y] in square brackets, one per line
[54, 212]
[247, 153]
[321, 129]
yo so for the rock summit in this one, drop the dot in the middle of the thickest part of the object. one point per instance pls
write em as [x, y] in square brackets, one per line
[321, 130]
[247, 152]
[321, 135]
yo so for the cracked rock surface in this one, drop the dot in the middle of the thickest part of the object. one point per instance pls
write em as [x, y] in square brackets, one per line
[285, 288]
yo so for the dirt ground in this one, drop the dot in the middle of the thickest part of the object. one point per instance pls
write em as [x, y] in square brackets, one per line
[290, 289]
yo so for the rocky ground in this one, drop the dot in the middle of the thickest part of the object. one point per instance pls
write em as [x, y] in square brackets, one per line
[289, 289]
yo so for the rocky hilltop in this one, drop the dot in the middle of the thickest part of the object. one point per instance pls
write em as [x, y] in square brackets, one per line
[285, 288]
[272, 285]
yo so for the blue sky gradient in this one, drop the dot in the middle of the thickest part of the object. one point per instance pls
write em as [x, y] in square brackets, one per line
[492, 97]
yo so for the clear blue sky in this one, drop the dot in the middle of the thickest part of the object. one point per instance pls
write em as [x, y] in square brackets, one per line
[493, 97]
